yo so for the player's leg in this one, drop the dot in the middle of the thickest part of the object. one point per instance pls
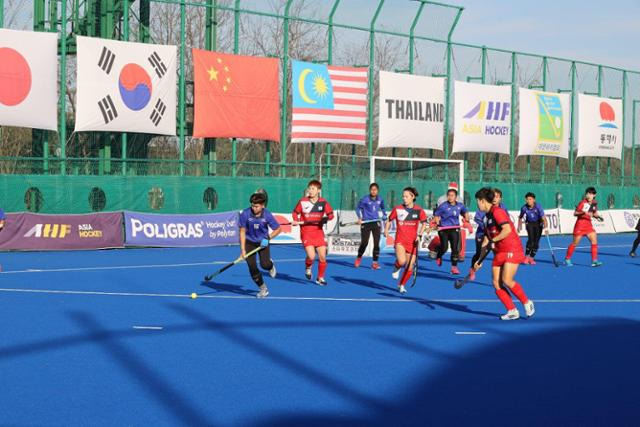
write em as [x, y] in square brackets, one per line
[401, 260]
[322, 265]
[594, 249]
[256, 275]
[266, 262]
[410, 255]
[375, 230]
[308, 262]
[365, 231]
[571, 249]
[508, 273]
[501, 292]
[536, 234]
[444, 245]
[529, 245]
[454, 238]
[635, 245]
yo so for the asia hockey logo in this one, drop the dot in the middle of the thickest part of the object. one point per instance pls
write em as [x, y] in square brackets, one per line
[52, 231]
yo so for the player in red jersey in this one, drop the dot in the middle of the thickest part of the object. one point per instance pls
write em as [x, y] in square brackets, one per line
[311, 213]
[586, 209]
[508, 254]
[408, 217]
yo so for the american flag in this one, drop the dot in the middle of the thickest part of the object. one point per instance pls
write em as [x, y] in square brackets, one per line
[346, 122]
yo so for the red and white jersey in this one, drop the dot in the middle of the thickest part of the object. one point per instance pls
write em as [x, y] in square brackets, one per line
[586, 206]
[494, 221]
[308, 211]
[407, 222]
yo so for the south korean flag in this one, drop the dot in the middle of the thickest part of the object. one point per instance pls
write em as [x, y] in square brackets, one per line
[126, 87]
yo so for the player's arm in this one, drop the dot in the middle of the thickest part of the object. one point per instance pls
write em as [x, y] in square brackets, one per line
[328, 210]
[360, 210]
[297, 214]
[243, 242]
[387, 226]
[484, 248]
[579, 212]
[383, 209]
[273, 225]
[522, 214]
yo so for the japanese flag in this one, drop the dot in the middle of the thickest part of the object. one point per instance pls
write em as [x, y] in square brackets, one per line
[126, 87]
[28, 79]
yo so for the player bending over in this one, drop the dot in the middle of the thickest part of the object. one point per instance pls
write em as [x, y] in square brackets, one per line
[586, 209]
[508, 254]
[478, 218]
[408, 217]
[447, 218]
[255, 222]
[370, 209]
[311, 213]
[536, 222]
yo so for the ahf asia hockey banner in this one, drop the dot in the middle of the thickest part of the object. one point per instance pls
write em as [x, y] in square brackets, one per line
[28, 79]
[482, 118]
[544, 123]
[126, 87]
[599, 127]
[236, 96]
[181, 230]
[411, 111]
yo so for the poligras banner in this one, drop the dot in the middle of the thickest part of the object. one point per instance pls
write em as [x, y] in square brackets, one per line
[181, 230]
[31, 231]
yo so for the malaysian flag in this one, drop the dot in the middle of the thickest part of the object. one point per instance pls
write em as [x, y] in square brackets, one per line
[329, 103]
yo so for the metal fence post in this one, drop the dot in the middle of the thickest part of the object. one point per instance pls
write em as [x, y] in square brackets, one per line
[285, 92]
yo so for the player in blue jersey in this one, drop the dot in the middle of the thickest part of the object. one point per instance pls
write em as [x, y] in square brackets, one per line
[255, 222]
[636, 242]
[535, 221]
[371, 212]
[447, 217]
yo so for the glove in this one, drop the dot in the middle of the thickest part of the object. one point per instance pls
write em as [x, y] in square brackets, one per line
[264, 243]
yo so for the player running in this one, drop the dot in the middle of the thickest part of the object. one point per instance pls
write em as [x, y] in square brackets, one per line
[311, 213]
[508, 254]
[636, 242]
[255, 222]
[535, 221]
[370, 209]
[408, 217]
[447, 217]
[586, 209]
[478, 218]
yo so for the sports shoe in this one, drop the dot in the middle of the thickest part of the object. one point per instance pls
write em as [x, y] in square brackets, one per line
[529, 308]
[472, 274]
[402, 289]
[454, 270]
[375, 265]
[596, 263]
[512, 314]
[272, 272]
[320, 281]
[568, 263]
[396, 274]
[357, 263]
[307, 273]
[532, 261]
[439, 261]
[632, 254]
[264, 292]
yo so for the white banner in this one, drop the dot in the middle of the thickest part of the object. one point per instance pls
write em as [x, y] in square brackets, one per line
[29, 79]
[126, 87]
[411, 111]
[624, 220]
[482, 118]
[544, 123]
[568, 220]
[599, 126]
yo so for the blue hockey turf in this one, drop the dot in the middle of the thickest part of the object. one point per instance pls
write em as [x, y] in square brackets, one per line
[113, 338]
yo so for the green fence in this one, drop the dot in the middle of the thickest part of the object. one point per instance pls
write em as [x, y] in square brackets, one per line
[412, 37]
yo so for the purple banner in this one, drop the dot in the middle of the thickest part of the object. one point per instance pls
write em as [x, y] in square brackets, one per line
[181, 230]
[31, 231]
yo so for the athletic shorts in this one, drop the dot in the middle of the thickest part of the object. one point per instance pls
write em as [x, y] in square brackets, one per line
[409, 246]
[583, 229]
[501, 258]
[315, 240]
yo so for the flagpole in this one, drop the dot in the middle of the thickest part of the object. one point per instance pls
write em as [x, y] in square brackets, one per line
[63, 73]
[125, 34]
[182, 106]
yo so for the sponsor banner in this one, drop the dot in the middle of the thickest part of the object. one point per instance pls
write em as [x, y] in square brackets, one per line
[599, 127]
[568, 220]
[544, 124]
[624, 220]
[289, 234]
[348, 244]
[482, 118]
[411, 111]
[143, 229]
[31, 231]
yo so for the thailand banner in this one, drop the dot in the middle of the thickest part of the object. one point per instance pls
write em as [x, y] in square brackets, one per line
[411, 111]
[126, 87]
[544, 124]
[482, 118]
[31, 231]
[599, 127]
[329, 103]
[143, 229]
[28, 79]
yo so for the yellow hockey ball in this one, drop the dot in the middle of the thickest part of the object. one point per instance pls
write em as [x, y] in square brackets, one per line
[194, 295]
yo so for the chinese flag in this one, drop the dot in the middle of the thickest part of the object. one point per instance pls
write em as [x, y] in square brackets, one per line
[236, 96]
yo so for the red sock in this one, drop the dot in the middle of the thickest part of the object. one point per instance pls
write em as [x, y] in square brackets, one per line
[594, 252]
[322, 267]
[397, 265]
[504, 297]
[570, 250]
[308, 262]
[405, 276]
[519, 293]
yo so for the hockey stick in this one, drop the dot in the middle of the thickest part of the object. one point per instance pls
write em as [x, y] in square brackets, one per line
[553, 255]
[483, 254]
[415, 265]
[345, 224]
[231, 264]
